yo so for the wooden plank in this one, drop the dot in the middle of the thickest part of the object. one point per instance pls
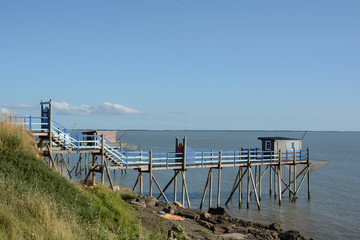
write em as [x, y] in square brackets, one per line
[161, 191]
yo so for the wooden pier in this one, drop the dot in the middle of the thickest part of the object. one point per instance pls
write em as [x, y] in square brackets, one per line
[97, 154]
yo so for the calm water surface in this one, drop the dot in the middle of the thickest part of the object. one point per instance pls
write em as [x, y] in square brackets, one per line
[334, 209]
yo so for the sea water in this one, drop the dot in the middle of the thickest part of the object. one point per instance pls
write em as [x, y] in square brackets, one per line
[333, 211]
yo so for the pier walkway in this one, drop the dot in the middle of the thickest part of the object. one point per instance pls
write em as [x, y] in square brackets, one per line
[55, 139]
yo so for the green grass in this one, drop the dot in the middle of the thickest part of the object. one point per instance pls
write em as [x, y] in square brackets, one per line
[37, 203]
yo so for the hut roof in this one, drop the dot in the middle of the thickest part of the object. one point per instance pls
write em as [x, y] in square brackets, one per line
[277, 138]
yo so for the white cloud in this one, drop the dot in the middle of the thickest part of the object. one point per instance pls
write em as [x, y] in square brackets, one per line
[114, 109]
[105, 108]
[19, 106]
[67, 109]
[4, 112]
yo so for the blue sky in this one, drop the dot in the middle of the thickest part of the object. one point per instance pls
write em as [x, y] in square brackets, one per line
[252, 65]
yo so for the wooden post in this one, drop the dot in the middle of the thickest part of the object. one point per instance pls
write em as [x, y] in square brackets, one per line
[205, 188]
[275, 192]
[270, 181]
[219, 181]
[289, 180]
[176, 171]
[94, 174]
[260, 178]
[50, 123]
[240, 186]
[141, 183]
[256, 170]
[248, 180]
[150, 173]
[279, 176]
[295, 171]
[183, 172]
[210, 187]
[102, 159]
[108, 175]
[175, 184]
[308, 175]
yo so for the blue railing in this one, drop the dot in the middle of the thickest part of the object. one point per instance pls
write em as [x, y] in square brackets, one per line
[33, 124]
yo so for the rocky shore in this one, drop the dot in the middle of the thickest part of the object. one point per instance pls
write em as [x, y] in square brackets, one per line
[216, 223]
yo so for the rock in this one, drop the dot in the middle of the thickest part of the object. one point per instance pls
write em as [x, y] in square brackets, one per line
[238, 229]
[275, 226]
[291, 235]
[169, 210]
[205, 216]
[218, 230]
[227, 226]
[218, 211]
[188, 213]
[176, 203]
[150, 201]
[138, 203]
[205, 224]
[233, 236]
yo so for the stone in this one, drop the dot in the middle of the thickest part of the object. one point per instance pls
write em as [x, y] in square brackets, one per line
[233, 236]
[227, 226]
[138, 203]
[205, 216]
[291, 235]
[218, 230]
[150, 201]
[205, 224]
[275, 227]
[176, 203]
[218, 211]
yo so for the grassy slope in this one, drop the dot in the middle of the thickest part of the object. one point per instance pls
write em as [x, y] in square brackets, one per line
[37, 203]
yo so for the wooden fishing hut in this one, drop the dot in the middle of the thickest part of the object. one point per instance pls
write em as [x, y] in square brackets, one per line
[280, 143]
[110, 135]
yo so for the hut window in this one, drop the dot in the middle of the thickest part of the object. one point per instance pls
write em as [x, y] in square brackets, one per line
[292, 145]
[267, 145]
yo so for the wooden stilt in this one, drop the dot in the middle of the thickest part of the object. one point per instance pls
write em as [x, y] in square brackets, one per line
[253, 184]
[167, 185]
[183, 172]
[219, 181]
[210, 187]
[237, 185]
[205, 188]
[141, 183]
[175, 184]
[150, 173]
[94, 174]
[108, 175]
[186, 190]
[294, 182]
[309, 166]
[279, 177]
[102, 160]
[260, 178]
[51, 159]
[161, 191]
[136, 182]
[240, 187]
[248, 182]
[275, 190]
[301, 182]
[270, 181]
[289, 180]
